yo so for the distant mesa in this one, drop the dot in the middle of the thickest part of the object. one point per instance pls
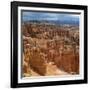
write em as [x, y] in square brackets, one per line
[54, 22]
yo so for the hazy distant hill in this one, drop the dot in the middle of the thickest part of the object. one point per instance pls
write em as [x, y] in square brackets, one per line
[58, 22]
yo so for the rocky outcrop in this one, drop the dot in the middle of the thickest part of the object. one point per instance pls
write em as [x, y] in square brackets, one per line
[48, 43]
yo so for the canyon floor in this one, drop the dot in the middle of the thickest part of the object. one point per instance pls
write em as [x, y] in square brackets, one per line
[52, 70]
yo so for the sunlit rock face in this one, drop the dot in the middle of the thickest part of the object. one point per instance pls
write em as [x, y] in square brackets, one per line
[47, 47]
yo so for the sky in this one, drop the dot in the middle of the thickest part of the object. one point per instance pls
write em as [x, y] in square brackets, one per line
[28, 15]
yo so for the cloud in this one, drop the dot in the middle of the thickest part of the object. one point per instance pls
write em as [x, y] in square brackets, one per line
[28, 15]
